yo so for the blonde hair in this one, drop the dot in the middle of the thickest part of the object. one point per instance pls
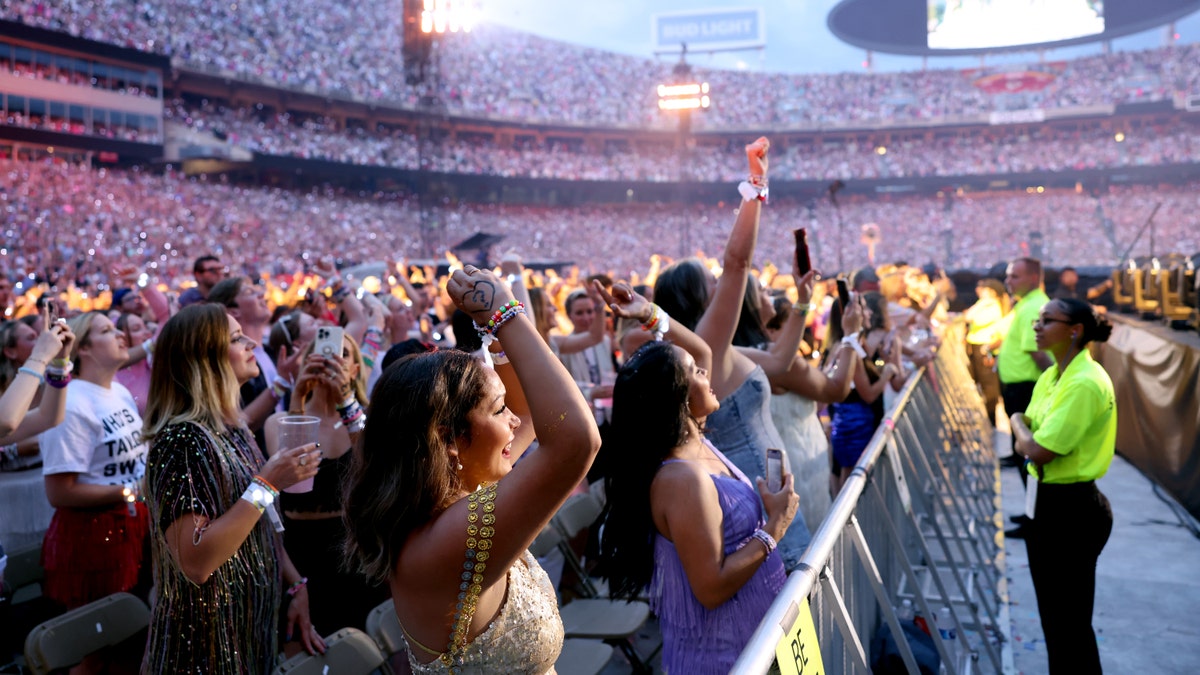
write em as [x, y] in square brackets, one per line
[81, 326]
[359, 383]
[192, 379]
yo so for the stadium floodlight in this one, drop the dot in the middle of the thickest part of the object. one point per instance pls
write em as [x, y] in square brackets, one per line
[440, 16]
[690, 96]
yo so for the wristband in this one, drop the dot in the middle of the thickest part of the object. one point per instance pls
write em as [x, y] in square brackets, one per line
[41, 378]
[852, 341]
[259, 496]
[263, 482]
[148, 346]
[750, 192]
[803, 307]
[295, 588]
[499, 358]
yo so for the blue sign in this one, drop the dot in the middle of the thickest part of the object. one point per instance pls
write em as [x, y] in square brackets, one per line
[709, 30]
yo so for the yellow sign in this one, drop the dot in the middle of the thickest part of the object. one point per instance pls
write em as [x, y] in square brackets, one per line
[798, 652]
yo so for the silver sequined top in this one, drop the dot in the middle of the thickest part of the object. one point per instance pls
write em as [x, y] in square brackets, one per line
[526, 635]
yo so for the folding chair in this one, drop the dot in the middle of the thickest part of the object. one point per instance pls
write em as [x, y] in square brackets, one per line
[612, 621]
[349, 652]
[384, 628]
[583, 657]
[65, 640]
[577, 514]
[24, 574]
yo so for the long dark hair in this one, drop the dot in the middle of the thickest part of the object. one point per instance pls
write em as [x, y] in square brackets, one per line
[649, 419]
[401, 474]
[750, 330]
[682, 291]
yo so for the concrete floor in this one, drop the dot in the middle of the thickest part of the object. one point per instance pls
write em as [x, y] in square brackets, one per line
[1147, 585]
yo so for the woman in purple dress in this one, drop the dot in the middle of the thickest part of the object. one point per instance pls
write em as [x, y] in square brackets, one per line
[681, 518]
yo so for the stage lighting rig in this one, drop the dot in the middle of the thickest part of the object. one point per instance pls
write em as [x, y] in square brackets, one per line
[440, 16]
[425, 21]
[693, 96]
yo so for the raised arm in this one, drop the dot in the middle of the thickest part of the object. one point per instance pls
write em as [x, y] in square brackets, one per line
[719, 322]
[782, 353]
[628, 304]
[531, 493]
[577, 342]
[17, 422]
[816, 384]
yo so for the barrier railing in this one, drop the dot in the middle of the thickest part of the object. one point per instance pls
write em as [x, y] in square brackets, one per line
[918, 519]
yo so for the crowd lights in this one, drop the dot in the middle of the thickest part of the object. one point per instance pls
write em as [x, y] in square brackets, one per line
[692, 96]
[439, 16]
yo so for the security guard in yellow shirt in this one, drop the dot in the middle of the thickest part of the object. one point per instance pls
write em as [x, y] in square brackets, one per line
[1068, 433]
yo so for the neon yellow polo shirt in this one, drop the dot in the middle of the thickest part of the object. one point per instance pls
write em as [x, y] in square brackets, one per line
[1013, 362]
[1074, 416]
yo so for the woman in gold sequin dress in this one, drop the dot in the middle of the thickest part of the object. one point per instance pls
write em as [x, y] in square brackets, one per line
[217, 562]
[435, 507]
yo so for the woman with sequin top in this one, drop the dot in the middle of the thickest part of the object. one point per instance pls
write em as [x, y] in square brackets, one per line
[217, 561]
[433, 479]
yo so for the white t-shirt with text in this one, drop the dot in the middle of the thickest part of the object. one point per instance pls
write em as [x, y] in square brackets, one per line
[100, 437]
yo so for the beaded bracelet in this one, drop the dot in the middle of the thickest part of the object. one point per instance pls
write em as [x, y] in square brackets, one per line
[295, 588]
[479, 542]
[767, 540]
[354, 418]
[487, 333]
[263, 482]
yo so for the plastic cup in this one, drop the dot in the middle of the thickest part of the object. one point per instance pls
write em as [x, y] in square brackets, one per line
[295, 431]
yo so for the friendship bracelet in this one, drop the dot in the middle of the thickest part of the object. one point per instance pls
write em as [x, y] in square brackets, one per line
[65, 364]
[510, 309]
[750, 191]
[766, 539]
[659, 322]
[295, 588]
[263, 482]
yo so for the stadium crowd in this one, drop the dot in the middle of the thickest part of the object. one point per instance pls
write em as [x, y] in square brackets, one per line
[995, 152]
[63, 221]
[353, 51]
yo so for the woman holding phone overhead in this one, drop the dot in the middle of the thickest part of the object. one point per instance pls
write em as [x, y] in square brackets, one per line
[218, 570]
[436, 508]
[681, 518]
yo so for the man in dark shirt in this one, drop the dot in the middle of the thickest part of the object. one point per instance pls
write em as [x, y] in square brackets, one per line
[1068, 287]
[208, 271]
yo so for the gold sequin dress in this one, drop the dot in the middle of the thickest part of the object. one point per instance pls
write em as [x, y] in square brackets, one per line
[525, 637]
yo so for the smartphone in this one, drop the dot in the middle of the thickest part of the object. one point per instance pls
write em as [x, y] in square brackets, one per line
[843, 292]
[803, 261]
[329, 341]
[774, 469]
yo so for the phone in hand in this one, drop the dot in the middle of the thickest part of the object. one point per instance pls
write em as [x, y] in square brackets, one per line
[774, 469]
[329, 341]
[803, 261]
[843, 290]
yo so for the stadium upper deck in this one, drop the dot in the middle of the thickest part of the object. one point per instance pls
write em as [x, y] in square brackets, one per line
[352, 51]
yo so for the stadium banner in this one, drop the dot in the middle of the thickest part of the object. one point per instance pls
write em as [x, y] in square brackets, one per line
[710, 30]
[1017, 116]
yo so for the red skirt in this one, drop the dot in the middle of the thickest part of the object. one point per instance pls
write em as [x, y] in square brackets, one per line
[91, 553]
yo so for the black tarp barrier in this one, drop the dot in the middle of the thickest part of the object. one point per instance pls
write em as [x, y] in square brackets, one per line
[1156, 376]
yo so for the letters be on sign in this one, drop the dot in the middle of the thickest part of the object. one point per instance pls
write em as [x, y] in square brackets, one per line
[798, 652]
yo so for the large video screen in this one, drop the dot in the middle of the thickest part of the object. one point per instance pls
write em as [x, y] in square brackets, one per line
[975, 24]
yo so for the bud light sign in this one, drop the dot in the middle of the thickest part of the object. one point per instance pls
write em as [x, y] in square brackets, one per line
[709, 30]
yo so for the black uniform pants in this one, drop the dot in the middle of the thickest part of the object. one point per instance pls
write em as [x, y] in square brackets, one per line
[1070, 527]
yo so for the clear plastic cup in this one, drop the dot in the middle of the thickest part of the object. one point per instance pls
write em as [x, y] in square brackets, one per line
[295, 431]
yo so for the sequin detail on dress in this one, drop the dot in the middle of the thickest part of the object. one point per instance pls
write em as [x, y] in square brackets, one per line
[228, 623]
[525, 637]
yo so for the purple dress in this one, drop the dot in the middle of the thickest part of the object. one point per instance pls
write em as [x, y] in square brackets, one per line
[698, 640]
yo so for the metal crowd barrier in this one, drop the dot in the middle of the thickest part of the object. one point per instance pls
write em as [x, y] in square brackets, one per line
[919, 519]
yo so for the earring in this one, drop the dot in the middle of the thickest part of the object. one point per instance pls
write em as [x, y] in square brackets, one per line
[459, 466]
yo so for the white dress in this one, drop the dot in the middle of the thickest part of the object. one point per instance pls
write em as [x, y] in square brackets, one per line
[807, 449]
